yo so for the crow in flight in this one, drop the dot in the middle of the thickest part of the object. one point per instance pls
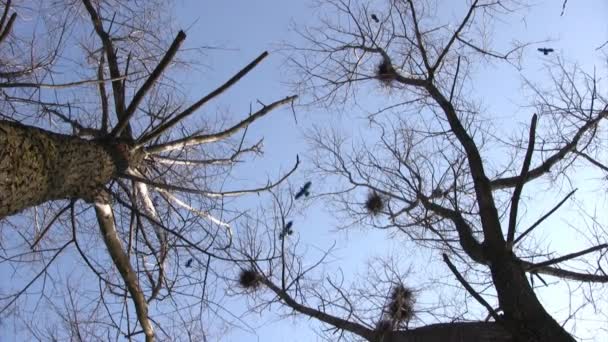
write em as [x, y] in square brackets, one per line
[374, 18]
[304, 190]
[189, 263]
[545, 51]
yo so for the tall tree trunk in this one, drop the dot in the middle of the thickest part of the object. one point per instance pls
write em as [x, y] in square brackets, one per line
[38, 166]
[524, 315]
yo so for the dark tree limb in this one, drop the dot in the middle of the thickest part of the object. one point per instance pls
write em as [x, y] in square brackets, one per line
[544, 217]
[534, 267]
[150, 81]
[117, 85]
[470, 289]
[520, 185]
[162, 128]
[567, 274]
[508, 182]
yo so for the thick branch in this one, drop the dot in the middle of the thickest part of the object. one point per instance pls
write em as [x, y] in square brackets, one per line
[470, 289]
[320, 315]
[105, 217]
[485, 199]
[520, 185]
[546, 166]
[566, 274]
[453, 332]
[566, 257]
[117, 88]
[149, 83]
[465, 234]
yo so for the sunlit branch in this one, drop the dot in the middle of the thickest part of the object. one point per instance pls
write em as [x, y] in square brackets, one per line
[208, 138]
[103, 98]
[48, 226]
[105, 218]
[197, 212]
[212, 194]
[256, 148]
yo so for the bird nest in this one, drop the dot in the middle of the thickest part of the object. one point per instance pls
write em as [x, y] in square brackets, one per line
[374, 204]
[385, 72]
[249, 279]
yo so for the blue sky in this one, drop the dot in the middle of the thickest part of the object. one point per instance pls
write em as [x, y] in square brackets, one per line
[241, 30]
[245, 28]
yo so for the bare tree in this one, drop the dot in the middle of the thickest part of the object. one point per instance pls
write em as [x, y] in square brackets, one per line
[432, 169]
[113, 212]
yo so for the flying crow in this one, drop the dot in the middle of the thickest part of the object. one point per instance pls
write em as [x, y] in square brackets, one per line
[545, 51]
[304, 190]
[374, 18]
[189, 263]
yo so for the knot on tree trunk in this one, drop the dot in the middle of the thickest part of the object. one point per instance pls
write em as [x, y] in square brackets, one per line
[122, 154]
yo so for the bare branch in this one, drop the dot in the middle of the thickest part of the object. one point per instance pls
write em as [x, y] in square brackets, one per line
[469, 289]
[203, 139]
[150, 81]
[193, 108]
[519, 187]
[105, 218]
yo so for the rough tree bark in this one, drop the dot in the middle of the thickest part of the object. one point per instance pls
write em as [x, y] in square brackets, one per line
[37, 166]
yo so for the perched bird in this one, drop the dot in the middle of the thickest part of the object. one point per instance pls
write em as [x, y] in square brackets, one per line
[189, 262]
[374, 18]
[304, 190]
[286, 230]
[545, 51]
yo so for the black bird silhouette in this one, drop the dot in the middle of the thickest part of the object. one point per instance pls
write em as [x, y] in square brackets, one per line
[304, 191]
[374, 18]
[545, 51]
[189, 262]
[286, 230]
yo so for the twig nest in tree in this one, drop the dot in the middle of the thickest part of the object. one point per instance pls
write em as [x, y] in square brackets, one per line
[385, 72]
[401, 305]
[374, 203]
[249, 279]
